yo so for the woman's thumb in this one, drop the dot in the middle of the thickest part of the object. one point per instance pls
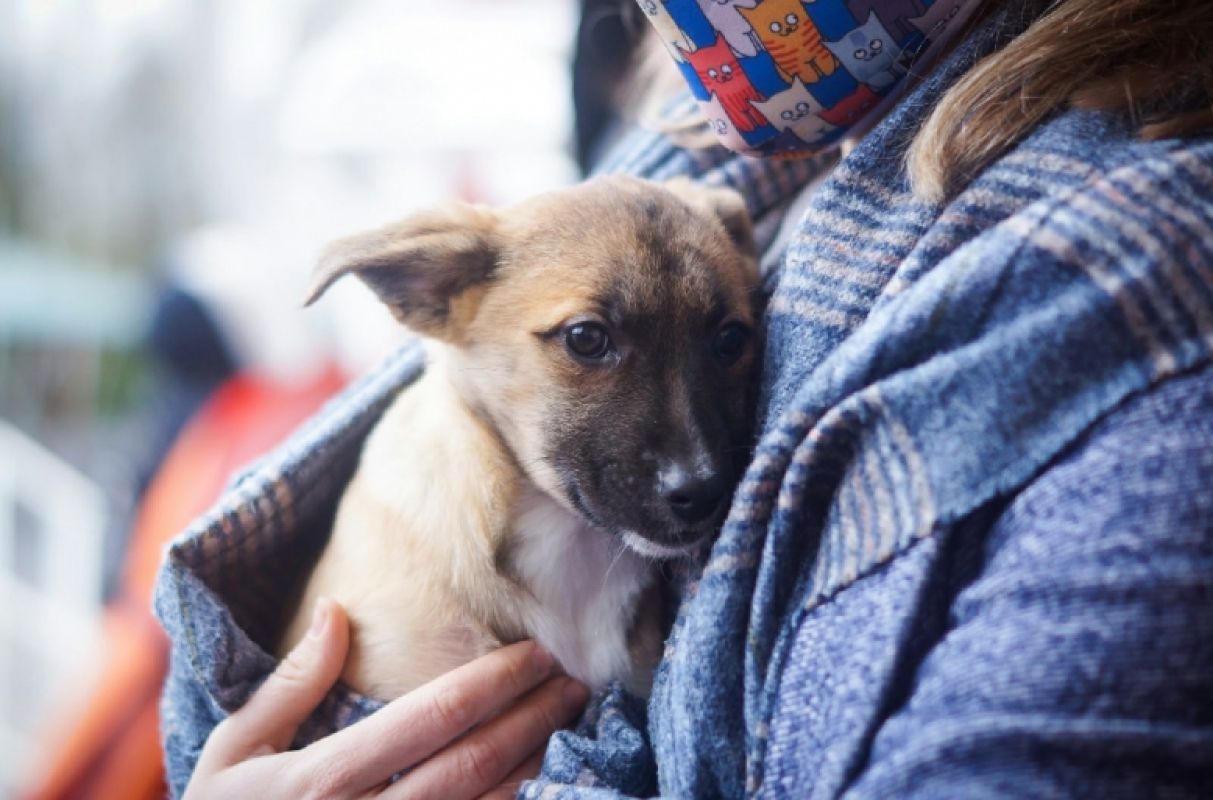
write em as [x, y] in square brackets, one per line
[271, 717]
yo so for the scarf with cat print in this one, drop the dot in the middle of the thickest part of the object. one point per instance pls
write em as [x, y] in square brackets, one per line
[789, 78]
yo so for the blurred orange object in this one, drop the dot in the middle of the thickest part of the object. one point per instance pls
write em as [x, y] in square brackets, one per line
[110, 748]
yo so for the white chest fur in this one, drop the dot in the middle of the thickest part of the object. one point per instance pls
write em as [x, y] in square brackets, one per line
[414, 559]
[586, 584]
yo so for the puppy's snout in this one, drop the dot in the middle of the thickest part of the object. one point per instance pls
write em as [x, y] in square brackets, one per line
[692, 496]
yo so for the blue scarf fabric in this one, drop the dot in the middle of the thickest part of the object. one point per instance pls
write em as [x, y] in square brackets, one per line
[922, 362]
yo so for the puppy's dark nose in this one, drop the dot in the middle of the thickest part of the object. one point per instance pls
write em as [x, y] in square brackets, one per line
[692, 497]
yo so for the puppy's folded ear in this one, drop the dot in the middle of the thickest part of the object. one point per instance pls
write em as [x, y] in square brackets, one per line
[422, 267]
[725, 204]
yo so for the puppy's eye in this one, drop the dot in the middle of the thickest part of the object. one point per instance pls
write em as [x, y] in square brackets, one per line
[730, 343]
[587, 340]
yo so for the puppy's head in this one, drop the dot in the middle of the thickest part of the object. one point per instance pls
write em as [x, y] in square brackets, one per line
[605, 331]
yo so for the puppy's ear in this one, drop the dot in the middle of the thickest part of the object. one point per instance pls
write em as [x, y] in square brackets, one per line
[725, 204]
[422, 267]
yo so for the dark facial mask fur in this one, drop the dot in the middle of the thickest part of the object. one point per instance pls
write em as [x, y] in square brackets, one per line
[605, 332]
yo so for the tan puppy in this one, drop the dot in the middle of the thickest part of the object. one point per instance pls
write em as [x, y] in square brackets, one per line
[583, 413]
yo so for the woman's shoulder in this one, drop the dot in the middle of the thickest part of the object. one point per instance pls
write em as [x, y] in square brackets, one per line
[1085, 199]
[1088, 170]
[1075, 657]
[1143, 474]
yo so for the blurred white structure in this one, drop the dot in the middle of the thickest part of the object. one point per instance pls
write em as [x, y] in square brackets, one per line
[227, 140]
[52, 521]
[237, 137]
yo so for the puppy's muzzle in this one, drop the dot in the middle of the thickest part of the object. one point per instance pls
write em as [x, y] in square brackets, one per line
[692, 496]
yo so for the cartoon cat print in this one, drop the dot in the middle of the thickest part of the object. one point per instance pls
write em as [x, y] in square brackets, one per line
[786, 142]
[797, 110]
[724, 16]
[895, 15]
[851, 107]
[675, 40]
[722, 75]
[792, 39]
[868, 53]
[718, 120]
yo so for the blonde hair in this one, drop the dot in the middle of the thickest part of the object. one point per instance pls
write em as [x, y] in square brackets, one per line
[1150, 59]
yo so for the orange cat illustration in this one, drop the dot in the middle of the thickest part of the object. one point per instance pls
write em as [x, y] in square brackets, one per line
[794, 42]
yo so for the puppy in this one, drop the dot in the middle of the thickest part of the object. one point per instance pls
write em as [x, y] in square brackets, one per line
[583, 414]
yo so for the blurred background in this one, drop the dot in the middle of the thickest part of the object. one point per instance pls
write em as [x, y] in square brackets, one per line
[169, 170]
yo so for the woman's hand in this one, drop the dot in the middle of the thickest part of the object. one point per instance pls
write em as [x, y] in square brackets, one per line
[423, 731]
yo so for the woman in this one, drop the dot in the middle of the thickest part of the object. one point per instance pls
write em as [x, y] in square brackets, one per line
[974, 552]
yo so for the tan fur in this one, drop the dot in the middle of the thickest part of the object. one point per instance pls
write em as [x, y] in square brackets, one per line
[395, 578]
[448, 542]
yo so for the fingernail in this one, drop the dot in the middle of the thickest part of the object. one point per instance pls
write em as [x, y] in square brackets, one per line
[320, 617]
[575, 695]
[542, 659]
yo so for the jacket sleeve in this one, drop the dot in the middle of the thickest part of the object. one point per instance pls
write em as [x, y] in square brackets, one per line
[1079, 661]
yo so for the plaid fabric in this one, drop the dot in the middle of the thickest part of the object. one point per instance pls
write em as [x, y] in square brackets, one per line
[225, 582]
[924, 365]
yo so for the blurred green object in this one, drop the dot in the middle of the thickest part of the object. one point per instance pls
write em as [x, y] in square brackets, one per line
[71, 342]
[46, 297]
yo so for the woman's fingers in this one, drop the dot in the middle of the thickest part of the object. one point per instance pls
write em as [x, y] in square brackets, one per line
[490, 754]
[400, 736]
[410, 729]
[508, 788]
[269, 720]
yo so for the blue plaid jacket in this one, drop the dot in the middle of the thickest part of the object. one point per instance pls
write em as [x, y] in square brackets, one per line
[973, 554]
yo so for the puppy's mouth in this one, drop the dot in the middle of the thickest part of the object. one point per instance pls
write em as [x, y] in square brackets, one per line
[689, 542]
[650, 549]
[579, 503]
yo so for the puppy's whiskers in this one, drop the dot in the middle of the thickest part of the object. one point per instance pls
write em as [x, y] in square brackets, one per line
[535, 462]
[618, 555]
